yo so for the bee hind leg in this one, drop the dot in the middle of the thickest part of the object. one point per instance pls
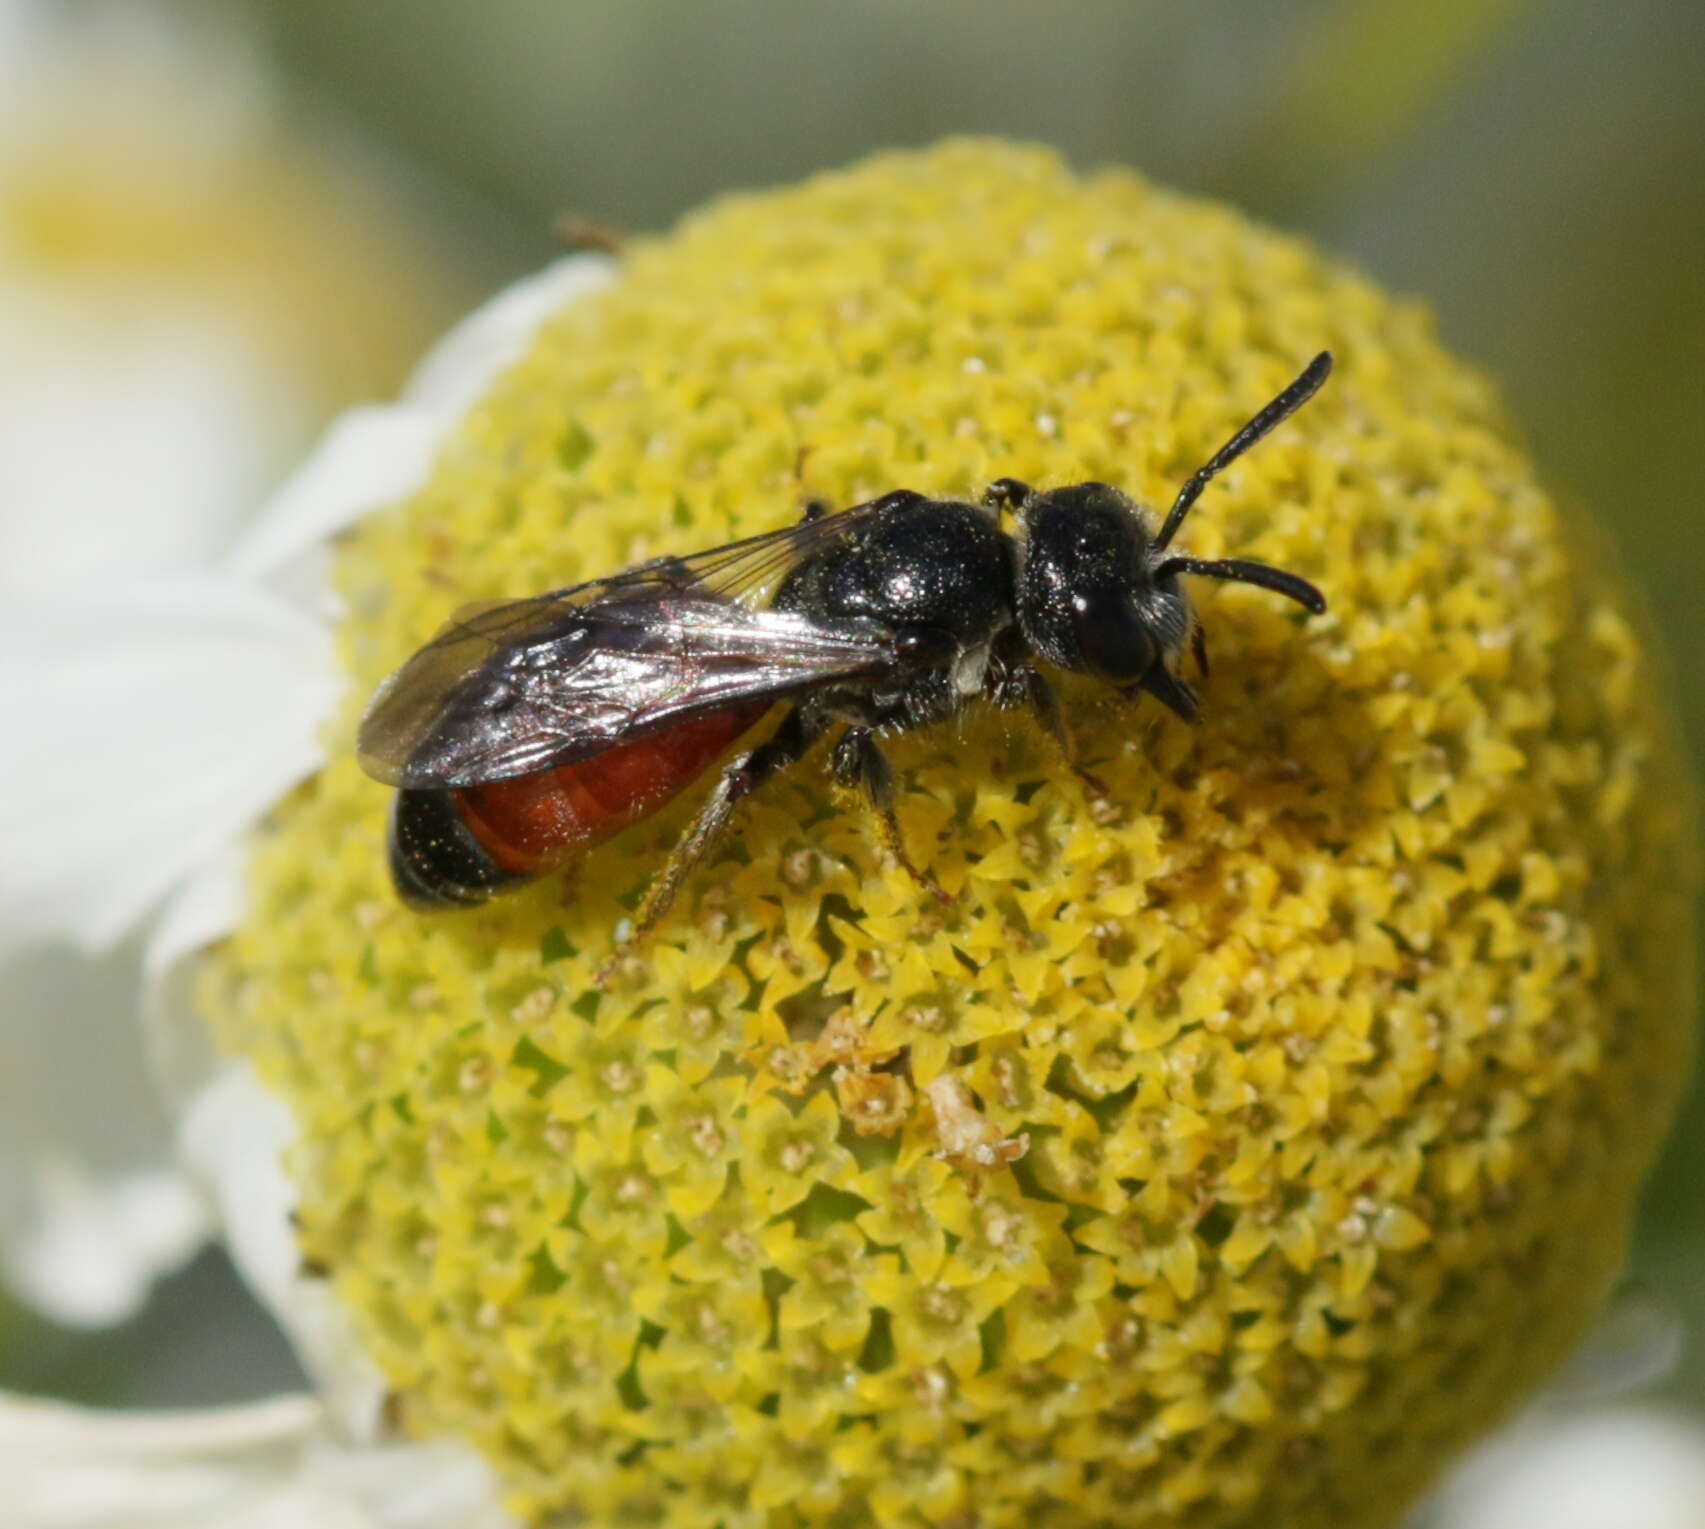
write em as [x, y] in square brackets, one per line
[743, 775]
[860, 763]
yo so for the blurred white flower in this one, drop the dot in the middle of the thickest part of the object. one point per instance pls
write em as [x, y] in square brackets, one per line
[117, 128]
[159, 366]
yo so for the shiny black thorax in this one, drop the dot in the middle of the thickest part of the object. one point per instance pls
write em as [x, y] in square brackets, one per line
[938, 575]
[934, 564]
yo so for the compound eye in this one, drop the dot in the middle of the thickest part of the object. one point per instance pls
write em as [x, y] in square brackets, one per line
[1112, 636]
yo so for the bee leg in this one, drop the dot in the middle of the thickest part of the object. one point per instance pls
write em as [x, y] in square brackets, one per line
[1029, 687]
[814, 509]
[744, 775]
[1007, 494]
[1169, 690]
[859, 762]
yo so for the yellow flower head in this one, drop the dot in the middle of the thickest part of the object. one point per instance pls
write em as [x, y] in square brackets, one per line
[1292, 1105]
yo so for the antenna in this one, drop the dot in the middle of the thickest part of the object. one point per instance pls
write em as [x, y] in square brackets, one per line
[1242, 570]
[1280, 409]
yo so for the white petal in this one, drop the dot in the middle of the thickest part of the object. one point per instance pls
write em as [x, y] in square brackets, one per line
[437, 1484]
[182, 1054]
[375, 456]
[87, 1249]
[233, 1140]
[1622, 1469]
[68, 1466]
[1635, 1343]
[150, 725]
[370, 458]
[92, 1208]
[267, 1429]
[462, 365]
[267, 1465]
[233, 1137]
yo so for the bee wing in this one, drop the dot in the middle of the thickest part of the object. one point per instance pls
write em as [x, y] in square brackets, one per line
[516, 688]
[745, 572]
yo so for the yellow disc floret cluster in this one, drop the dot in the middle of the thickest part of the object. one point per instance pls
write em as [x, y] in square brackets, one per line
[1236, 1145]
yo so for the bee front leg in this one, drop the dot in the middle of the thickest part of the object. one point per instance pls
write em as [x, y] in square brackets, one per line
[744, 775]
[1024, 685]
[1169, 690]
[1008, 494]
[858, 762]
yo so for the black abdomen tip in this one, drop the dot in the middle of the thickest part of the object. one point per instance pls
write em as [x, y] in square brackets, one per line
[436, 862]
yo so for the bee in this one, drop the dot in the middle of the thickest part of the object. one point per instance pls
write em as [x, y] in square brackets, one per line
[528, 732]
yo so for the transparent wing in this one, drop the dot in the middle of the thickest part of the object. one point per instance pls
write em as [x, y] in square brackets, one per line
[510, 689]
[745, 572]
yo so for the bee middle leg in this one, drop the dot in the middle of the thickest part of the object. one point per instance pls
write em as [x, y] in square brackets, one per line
[744, 774]
[859, 762]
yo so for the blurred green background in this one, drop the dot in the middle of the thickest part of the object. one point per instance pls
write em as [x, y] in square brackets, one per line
[1533, 170]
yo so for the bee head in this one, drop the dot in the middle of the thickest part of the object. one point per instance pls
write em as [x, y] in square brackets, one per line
[1089, 599]
[1098, 594]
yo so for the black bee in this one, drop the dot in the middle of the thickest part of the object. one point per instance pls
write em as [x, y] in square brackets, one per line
[527, 732]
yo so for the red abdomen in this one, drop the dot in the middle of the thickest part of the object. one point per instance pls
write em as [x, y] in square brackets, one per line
[531, 824]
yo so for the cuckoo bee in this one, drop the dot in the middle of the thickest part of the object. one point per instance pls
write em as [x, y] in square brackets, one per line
[526, 733]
